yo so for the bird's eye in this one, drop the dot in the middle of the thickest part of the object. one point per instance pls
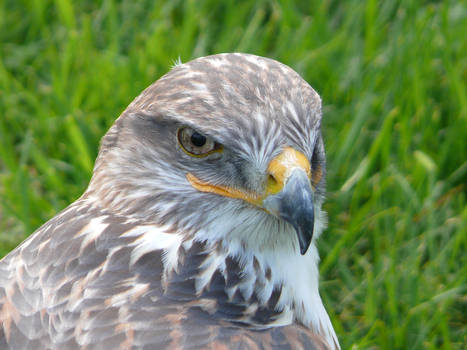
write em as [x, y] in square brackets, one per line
[197, 144]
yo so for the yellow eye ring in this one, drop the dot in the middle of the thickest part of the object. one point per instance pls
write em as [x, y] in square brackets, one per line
[196, 144]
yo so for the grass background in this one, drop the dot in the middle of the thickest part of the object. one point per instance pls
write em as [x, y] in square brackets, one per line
[392, 76]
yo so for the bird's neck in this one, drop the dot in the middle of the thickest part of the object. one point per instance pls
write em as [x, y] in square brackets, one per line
[283, 280]
[259, 289]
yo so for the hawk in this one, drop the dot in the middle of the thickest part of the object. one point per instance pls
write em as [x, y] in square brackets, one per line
[198, 227]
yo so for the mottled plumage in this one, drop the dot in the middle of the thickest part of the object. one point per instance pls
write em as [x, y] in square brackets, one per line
[172, 249]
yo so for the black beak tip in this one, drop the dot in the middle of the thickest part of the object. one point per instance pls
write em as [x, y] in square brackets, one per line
[304, 239]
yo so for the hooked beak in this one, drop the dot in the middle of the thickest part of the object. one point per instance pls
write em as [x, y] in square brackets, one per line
[294, 204]
[288, 194]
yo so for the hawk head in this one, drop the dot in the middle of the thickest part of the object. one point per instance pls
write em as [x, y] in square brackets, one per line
[226, 149]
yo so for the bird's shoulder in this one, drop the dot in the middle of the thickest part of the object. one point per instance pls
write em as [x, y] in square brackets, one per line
[62, 276]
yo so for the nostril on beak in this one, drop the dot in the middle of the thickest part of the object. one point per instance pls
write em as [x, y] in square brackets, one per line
[273, 184]
[272, 180]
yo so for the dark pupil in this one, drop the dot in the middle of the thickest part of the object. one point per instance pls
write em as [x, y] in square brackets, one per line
[197, 139]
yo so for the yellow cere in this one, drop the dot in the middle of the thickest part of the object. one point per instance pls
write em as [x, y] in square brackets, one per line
[283, 165]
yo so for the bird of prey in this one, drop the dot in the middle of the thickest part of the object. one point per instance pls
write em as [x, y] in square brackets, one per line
[198, 228]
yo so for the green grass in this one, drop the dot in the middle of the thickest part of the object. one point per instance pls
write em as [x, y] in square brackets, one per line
[392, 76]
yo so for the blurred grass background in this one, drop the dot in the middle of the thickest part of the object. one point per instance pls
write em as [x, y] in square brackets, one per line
[392, 76]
